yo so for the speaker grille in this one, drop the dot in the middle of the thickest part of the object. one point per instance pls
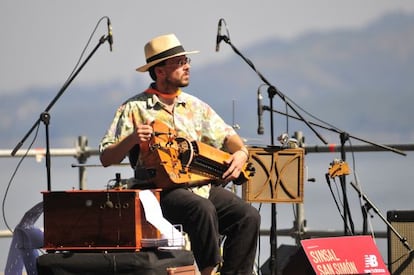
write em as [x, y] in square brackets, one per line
[278, 175]
[399, 261]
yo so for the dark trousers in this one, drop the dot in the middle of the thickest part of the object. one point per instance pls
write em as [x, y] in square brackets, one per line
[205, 220]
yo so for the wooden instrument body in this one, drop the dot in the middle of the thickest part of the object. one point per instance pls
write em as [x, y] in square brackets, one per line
[175, 161]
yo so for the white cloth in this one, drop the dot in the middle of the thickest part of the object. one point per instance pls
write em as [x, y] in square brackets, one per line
[153, 215]
[25, 244]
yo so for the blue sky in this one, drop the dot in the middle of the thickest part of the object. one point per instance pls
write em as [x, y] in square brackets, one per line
[43, 39]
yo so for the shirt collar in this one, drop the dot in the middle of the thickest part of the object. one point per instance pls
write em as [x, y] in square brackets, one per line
[154, 97]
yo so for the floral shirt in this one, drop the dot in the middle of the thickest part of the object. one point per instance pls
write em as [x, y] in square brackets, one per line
[191, 118]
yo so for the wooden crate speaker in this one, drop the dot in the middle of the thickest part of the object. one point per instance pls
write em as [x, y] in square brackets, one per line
[399, 262]
[96, 220]
[278, 175]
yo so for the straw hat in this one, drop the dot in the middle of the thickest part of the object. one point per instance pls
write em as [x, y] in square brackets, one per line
[160, 49]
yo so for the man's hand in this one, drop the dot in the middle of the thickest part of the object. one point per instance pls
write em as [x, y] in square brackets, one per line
[143, 132]
[236, 163]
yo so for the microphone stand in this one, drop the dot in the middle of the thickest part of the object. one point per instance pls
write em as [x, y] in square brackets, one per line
[45, 115]
[348, 230]
[381, 146]
[402, 239]
[272, 91]
[369, 205]
[344, 136]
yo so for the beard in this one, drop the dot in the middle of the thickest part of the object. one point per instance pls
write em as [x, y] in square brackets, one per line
[184, 81]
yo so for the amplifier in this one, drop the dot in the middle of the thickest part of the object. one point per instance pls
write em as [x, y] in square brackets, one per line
[400, 260]
[278, 175]
[95, 220]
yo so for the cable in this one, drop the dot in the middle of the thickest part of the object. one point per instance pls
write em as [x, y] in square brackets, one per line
[258, 243]
[287, 117]
[84, 49]
[362, 205]
[312, 116]
[335, 200]
[37, 129]
[12, 177]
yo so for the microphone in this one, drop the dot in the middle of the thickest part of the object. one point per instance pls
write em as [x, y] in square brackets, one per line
[218, 38]
[260, 129]
[110, 38]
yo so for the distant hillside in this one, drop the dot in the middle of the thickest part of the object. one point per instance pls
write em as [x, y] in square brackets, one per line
[358, 80]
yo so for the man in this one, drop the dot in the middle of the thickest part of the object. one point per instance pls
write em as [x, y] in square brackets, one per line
[206, 212]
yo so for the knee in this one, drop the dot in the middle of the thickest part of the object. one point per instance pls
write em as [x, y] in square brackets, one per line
[204, 208]
[199, 211]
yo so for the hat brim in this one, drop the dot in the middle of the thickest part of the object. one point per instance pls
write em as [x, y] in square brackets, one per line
[152, 63]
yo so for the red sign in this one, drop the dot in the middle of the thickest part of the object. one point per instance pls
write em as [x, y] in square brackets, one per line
[344, 255]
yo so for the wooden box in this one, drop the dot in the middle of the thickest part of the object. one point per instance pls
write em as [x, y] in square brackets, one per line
[278, 175]
[95, 220]
[182, 270]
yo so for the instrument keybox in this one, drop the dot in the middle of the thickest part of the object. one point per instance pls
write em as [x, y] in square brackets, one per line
[96, 220]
